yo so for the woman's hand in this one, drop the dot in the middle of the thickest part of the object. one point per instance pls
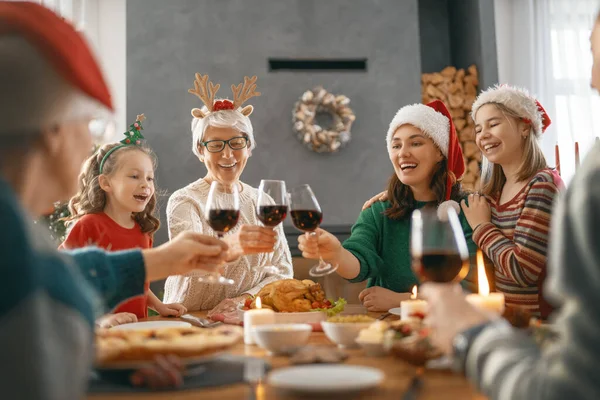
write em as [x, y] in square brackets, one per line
[187, 252]
[478, 211]
[378, 299]
[171, 310]
[228, 305]
[449, 313]
[320, 243]
[250, 239]
[165, 373]
[110, 320]
[383, 196]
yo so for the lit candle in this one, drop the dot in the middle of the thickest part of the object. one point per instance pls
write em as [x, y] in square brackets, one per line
[492, 302]
[557, 158]
[257, 316]
[413, 307]
[576, 155]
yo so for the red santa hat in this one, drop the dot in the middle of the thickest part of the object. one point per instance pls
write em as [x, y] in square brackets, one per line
[518, 100]
[59, 43]
[435, 121]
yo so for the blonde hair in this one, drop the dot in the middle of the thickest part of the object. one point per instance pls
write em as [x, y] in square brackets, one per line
[91, 199]
[492, 175]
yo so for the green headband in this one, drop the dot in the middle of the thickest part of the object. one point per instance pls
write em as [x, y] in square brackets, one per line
[133, 137]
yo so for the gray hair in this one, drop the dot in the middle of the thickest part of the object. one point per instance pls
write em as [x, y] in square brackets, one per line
[33, 95]
[221, 119]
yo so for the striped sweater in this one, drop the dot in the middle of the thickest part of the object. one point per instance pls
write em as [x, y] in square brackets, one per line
[517, 239]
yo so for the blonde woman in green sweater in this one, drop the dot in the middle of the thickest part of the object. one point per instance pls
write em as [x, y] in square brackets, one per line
[428, 162]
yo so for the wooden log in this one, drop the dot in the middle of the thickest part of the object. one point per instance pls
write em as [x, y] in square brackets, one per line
[468, 102]
[435, 93]
[449, 71]
[457, 113]
[473, 167]
[473, 80]
[470, 89]
[436, 78]
[456, 101]
[473, 71]
[459, 124]
[466, 135]
[470, 149]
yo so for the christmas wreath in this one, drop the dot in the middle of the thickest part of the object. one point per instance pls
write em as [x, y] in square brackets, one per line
[311, 109]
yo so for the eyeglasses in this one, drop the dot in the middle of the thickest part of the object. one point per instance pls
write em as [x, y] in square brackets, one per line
[236, 143]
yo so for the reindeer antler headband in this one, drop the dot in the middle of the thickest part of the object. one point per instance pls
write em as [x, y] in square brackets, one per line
[206, 91]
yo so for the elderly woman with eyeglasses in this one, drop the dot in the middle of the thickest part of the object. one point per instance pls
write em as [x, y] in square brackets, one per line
[223, 141]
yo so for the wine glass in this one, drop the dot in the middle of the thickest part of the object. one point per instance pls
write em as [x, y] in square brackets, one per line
[438, 246]
[307, 216]
[271, 209]
[222, 212]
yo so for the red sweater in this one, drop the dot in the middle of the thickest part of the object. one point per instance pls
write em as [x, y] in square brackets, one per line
[102, 231]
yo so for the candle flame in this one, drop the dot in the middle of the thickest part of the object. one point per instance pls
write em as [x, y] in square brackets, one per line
[484, 286]
[414, 292]
[258, 302]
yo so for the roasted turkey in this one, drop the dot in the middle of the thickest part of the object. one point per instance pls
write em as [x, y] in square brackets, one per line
[290, 295]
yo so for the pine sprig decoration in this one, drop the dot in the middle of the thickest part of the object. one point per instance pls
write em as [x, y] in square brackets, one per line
[55, 222]
[134, 134]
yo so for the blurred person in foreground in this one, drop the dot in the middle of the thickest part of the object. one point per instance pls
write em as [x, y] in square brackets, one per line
[52, 94]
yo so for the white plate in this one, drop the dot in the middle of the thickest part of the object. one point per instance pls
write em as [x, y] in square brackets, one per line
[395, 311]
[153, 325]
[326, 378]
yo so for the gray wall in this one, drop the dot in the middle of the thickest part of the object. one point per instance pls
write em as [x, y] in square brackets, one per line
[434, 29]
[473, 38]
[167, 42]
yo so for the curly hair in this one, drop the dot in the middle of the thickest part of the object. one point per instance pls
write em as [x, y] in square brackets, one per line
[91, 199]
[402, 199]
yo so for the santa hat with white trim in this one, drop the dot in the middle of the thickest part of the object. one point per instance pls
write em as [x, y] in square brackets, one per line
[435, 121]
[518, 100]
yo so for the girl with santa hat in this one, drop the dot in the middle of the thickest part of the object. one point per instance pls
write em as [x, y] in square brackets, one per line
[428, 163]
[510, 217]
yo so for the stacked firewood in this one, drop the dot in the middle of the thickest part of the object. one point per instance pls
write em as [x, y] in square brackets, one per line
[457, 88]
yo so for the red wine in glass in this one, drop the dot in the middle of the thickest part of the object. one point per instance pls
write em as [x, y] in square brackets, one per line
[307, 216]
[271, 210]
[222, 221]
[272, 216]
[222, 211]
[306, 220]
[441, 267]
[438, 246]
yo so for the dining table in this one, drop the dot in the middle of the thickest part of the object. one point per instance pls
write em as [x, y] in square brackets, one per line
[435, 383]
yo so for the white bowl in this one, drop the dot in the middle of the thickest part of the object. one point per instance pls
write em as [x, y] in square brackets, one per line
[309, 317]
[373, 349]
[344, 334]
[281, 338]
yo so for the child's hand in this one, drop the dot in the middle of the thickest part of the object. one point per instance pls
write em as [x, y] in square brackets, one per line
[166, 372]
[110, 320]
[171, 310]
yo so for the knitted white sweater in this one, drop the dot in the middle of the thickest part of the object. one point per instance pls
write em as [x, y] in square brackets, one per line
[185, 211]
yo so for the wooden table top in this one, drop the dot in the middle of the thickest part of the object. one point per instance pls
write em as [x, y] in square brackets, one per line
[398, 375]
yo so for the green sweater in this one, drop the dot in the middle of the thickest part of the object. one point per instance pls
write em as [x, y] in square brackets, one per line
[382, 246]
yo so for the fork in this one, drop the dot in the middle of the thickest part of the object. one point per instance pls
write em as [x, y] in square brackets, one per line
[199, 322]
[416, 383]
[254, 371]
